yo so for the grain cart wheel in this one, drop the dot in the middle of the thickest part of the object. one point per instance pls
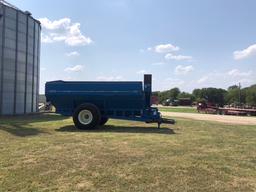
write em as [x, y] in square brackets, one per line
[103, 120]
[86, 116]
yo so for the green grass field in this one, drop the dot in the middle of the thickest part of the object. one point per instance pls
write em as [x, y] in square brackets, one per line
[178, 109]
[46, 153]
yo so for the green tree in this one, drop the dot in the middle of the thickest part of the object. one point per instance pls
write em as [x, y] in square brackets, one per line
[186, 95]
[174, 93]
[251, 95]
[212, 95]
[197, 94]
[170, 94]
[233, 87]
[234, 95]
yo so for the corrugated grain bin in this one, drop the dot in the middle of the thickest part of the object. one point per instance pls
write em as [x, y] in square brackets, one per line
[19, 61]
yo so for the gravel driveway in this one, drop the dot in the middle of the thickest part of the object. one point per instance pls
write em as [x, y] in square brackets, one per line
[238, 120]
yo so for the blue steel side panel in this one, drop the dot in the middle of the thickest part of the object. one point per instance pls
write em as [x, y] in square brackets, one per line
[73, 87]
[108, 96]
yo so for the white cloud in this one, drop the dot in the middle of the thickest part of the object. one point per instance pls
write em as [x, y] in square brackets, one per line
[245, 81]
[76, 68]
[227, 78]
[42, 69]
[51, 25]
[170, 56]
[242, 54]
[164, 48]
[73, 53]
[213, 78]
[237, 73]
[141, 72]
[183, 70]
[46, 39]
[63, 30]
[110, 78]
[168, 49]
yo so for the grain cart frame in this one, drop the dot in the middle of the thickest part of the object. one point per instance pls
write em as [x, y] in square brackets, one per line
[92, 103]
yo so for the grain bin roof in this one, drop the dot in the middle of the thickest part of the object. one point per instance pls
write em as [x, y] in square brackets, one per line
[16, 8]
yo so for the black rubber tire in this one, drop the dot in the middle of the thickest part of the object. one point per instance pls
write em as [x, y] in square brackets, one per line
[103, 120]
[95, 114]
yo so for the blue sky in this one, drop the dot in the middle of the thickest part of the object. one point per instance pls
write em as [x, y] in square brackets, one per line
[183, 43]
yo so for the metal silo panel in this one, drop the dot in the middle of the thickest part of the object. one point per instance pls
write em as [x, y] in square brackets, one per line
[38, 64]
[2, 21]
[35, 75]
[9, 58]
[21, 64]
[19, 61]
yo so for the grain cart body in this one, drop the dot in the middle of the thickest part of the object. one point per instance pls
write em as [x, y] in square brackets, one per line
[86, 101]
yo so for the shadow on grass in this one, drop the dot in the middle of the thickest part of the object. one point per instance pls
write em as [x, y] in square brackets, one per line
[18, 125]
[118, 129]
[20, 131]
[31, 118]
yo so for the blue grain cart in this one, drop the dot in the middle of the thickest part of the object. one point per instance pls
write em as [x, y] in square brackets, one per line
[93, 103]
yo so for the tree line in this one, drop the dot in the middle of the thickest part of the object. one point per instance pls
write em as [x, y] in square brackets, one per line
[234, 95]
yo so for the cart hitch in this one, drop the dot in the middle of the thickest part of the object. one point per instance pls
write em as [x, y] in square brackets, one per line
[162, 120]
[168, 121]
[165, 121]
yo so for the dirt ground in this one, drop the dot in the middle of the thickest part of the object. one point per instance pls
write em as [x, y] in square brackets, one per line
[237, 120]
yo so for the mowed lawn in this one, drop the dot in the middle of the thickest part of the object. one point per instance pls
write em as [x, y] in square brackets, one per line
[179, 109]
[46, 153]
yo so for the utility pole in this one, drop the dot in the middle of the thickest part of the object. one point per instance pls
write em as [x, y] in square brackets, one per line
[239, 86]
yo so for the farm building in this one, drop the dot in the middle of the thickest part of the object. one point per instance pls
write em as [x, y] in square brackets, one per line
[19, 60]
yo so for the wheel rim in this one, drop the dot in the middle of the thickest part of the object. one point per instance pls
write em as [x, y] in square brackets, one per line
[85, 117]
